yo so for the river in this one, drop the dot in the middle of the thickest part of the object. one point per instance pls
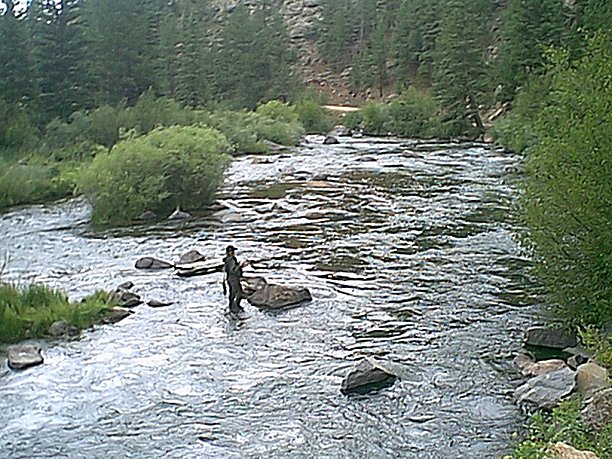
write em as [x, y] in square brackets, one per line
[409, 249]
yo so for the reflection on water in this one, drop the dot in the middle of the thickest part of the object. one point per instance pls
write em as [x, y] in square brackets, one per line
[408, 250]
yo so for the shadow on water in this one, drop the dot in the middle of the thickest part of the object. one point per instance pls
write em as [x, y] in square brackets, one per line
[409, 249]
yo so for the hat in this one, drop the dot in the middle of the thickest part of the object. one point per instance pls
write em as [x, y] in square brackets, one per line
[230, 248]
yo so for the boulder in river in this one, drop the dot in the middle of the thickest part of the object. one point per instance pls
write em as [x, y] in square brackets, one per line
[152, 263]
[590, 378]
[61, 327]
[117, 314]
[529, 367]
[263, 295]
[178, 214]
[158, 303]
[126, 299]
[148, 215]
[193, 256]
[330, 140]
[546, 390]
[551, 337]
[199, 268]
[23, 356]
[366, 376]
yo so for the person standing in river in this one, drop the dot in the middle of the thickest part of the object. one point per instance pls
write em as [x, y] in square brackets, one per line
[233, 274]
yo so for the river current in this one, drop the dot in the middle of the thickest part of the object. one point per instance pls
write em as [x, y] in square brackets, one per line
[409, 250]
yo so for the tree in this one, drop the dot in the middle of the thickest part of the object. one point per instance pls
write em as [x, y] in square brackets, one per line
[15, 86]
[459, 65]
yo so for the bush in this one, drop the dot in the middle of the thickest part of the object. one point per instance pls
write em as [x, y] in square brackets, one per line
[278, 111]
[22, 183]
[151, 112]
[568, 198]
[167, 168]
[374, 117]
[414, 114]
[17, 131]
[314, 118]
[30, 311]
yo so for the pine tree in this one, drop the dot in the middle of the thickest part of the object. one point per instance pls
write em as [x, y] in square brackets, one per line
[15, 67]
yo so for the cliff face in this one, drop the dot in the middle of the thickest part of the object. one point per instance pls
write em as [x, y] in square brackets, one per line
[303, 19]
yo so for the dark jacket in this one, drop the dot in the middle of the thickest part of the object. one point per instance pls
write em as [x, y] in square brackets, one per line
[232, 269]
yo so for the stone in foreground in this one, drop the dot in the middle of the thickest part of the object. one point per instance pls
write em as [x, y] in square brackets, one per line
[565, 451]
[60, 327]
[555, 338]
[591, 378]
[367, 376]
[23, 356]
[152, 263]
[546, 390]
[597, 414]
[272, 296]
[528, 367]
[117, 314]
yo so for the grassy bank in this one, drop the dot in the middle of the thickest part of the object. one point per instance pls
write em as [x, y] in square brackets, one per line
[28, 312]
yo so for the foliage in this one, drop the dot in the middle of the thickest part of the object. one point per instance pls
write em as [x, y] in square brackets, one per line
[568, 199]
[414, 114]
[562, 425]
[599, 342]
[30, 311]
[314, 118]
[278, 111]
[167, 168]
[17, 131]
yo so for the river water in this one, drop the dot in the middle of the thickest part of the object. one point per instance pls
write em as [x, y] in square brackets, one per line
[409, 251]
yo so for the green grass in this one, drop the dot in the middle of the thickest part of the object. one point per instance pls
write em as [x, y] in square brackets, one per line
[563, 424]
[27, 312]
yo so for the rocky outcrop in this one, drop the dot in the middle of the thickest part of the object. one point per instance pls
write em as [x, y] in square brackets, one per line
[591, 378]
[551, 337]
[23, 356]
[546, 390]
[367, 376]
[263, 295]
[152, 263]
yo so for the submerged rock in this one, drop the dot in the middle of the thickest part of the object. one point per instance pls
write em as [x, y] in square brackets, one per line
[193, 256]
[552, 337]
[546, 390]
[125, 286]
[366, 376]
[263, 295]
[199, 268]
[60, 327]
[159, 304]
[152, 263]
[23, 356]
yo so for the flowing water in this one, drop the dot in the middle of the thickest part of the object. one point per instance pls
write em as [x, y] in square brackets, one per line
[409, 251]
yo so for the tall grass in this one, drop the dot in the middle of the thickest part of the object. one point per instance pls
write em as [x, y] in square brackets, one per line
[27, 312]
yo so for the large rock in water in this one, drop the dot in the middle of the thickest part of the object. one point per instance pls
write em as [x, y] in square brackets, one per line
[152, 263]
[61, 327]
[193, 256]
[23, 356]
[117, 314]
[272, 296]
[546, 390]
[368, 375]
[556, 338]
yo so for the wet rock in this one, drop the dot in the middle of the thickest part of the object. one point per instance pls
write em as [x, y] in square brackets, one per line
[125, 298]
[152, 263]
[330, 140]
[125, 286]
[597, 412]
[193, 256]
[159, 304]
[178, 214]
[273, 296]
[578, 356]
[199, 269]
[117, 314]
[528, 367]
[61, 327]
[565, 451]
[23, 356]
[552, 337]
[339, 130]
[546, 390]
[367, 375]
[251, 284]
[590, 378]
[148, 215]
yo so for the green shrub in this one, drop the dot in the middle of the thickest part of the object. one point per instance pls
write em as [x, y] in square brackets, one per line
[105, 123]
[375, 117]
[165, 169]
[563, 424]
[17, 131]
[30, 311]
[22, 183]
[278, 111]
[150, 112]
[414, 114]
[314, 118]
[568, 198]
